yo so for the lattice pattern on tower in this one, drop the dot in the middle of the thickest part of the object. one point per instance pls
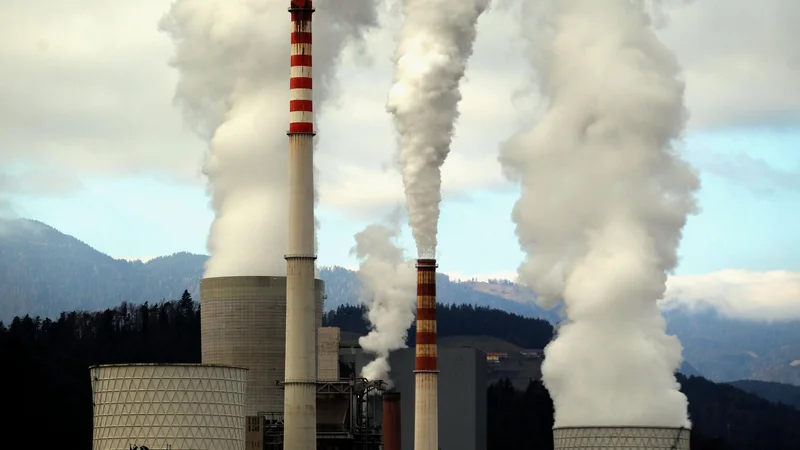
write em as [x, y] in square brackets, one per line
[177, 406]
[607, 438]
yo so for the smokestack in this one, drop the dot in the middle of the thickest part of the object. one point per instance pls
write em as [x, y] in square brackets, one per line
[391, 420]
[300, 407]
[426, 375]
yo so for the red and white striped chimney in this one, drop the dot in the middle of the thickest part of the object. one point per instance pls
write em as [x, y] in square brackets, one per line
[426, 373]
[300, 402]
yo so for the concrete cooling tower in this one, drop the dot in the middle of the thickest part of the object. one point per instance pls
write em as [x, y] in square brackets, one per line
[243, 322]
[174, 406]
[619, 438]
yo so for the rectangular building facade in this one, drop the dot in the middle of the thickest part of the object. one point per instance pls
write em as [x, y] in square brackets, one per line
[328, 354]
[462, 394]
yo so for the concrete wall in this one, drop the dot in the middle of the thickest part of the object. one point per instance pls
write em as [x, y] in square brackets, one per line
[243, 324]
[462, 394]
[328, 354]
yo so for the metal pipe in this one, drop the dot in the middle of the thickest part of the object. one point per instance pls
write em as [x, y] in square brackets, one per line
[426, 373]
[391, 421]
[300, 409]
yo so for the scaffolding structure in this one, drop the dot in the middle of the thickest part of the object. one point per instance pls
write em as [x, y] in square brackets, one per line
[348, 418]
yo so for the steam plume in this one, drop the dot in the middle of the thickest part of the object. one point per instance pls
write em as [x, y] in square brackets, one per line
[389, 288]
[233, 65]
[603, 204]
[432, 51]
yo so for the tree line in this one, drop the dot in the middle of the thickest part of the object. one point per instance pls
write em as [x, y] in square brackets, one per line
[48, 394]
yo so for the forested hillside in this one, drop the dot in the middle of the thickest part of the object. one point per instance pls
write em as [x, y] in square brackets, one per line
[44, 272]
[47, 378]
[788, 394]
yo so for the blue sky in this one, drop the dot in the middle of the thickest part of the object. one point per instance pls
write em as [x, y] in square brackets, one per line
[740, 226]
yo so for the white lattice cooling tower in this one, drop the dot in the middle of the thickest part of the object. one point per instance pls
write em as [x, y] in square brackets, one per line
[621, 438]
[168, 406]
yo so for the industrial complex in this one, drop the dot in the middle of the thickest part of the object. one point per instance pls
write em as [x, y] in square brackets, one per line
[272, 378]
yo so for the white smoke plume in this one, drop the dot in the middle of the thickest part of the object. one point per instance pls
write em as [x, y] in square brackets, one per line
[604, 198]
[389, 292]
[233, 63]
[431, 58]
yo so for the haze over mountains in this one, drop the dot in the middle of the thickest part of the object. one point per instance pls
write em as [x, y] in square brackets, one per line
[44, 272]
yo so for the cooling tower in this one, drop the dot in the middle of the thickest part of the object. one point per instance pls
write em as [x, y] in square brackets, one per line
[175, 406]
[243, 323]
[635, 438]
[391, 421]
[426, 373]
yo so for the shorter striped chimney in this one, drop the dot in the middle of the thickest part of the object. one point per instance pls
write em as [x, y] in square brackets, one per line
[426, 375]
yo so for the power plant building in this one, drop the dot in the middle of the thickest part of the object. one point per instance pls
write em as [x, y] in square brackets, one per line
[168, 406]
[243, 324]
[621, 437]
[463, 381]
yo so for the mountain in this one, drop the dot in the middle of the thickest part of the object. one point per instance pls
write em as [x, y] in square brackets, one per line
[787, 394]
[342, 288]
[44, 272]
[725, 349]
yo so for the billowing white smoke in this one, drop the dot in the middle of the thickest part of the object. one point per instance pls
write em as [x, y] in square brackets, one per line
[389, 292]
[431, 57]
[233, 63]
[604, 198]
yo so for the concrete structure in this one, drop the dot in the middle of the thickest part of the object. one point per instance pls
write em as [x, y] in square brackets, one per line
[328, 354]
[301, 362]
[463, 381]
[348, 414]
[243, 324]
[175, 406]
[635, 438]
[426, 373]
[391, 424]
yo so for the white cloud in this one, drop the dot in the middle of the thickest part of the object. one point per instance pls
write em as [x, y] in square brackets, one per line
[87, 89]
[738, 294]
[757, 174]
[741, 60]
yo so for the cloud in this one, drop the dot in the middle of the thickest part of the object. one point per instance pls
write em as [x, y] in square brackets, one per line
[741, 61]
[25, 182]
[754, 173]
[769, 296]
[86, 88]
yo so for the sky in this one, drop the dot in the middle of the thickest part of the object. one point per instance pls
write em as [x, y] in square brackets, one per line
[92, 143]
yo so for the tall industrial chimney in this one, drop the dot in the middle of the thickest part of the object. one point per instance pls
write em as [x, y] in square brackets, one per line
[300, 408]
[426, 375]
[391, 421]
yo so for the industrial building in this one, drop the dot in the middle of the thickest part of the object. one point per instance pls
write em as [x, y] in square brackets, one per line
[350, 409]
[243, 324]
[462, 393]
[168, 406]
[622, 438]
